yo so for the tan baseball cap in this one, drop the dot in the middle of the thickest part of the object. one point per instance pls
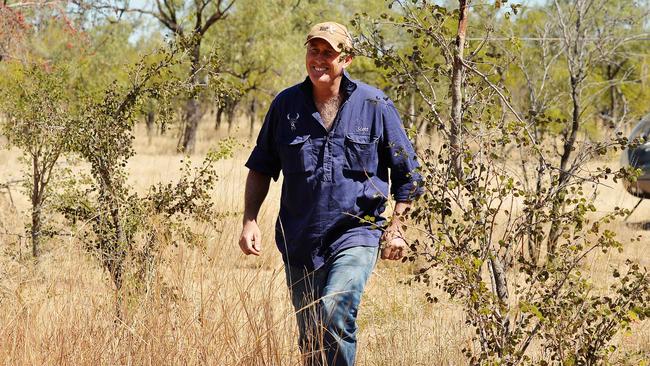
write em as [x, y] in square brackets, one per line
[334, 33]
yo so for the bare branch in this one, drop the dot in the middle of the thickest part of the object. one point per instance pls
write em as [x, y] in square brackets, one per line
[218, 14]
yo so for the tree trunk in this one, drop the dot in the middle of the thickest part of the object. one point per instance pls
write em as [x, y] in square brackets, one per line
[412, 120]
[218, 117]
[614, 96]
[116, 258]
[423, 131]
[575, 53]
[193, 112]
[534, 242]
[613, 108]
[253, 112]
[119, 252]
[498, 276]
[455, 139]
[500, 289]
[230, 111]
[569, 145]
[149, 120]
[575, 124]
[36, 230]
[192, 117]
[37, 204]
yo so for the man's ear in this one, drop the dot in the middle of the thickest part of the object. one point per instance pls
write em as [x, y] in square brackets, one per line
[347, 59]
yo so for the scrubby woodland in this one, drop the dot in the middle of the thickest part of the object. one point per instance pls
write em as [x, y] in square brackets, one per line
[124, 127]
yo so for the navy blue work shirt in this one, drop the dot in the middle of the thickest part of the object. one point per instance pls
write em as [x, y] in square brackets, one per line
[335, 183]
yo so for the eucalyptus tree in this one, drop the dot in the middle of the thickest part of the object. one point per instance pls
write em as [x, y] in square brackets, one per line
[189, 23]
[261, 54]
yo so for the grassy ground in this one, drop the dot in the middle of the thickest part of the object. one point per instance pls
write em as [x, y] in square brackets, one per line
[213, 305]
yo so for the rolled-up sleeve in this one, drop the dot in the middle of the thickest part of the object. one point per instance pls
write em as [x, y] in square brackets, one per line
[400, 156]
[264, 158]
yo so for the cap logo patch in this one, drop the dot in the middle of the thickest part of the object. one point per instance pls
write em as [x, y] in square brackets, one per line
[328, 28]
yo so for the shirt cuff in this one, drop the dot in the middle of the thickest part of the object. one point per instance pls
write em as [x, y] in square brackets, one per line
[263, 163]
[408, 191]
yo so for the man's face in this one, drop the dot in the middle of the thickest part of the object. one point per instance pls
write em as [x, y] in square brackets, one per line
[324, 64]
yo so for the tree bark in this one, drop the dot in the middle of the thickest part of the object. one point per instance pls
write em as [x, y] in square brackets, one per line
[218, 117]
[500, 289]
[423, 131]
[412, 119]
[575, 53]
[613, 107]
[36, 230]
[119, 252]
[230, 111]
[534, 242]
[456, 138]
[252, 114]
[193, 111]
[192, 116]
[36, 198]
[569, 145]
[149, 121]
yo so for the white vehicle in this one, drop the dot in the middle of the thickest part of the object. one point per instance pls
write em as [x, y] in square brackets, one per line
[639, 157]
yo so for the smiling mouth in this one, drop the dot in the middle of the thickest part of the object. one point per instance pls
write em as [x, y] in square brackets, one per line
[319, 69]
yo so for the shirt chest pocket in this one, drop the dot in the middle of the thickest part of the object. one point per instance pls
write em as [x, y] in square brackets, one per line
[361, 153]
[297, 155]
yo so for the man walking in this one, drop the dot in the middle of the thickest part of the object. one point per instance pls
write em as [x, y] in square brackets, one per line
[337, 143]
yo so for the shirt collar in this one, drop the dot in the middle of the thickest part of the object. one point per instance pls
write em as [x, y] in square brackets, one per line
[348, 86]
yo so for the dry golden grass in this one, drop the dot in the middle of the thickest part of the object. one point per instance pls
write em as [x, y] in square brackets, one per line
[214, 306]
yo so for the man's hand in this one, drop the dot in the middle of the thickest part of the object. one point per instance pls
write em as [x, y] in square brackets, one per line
[257, 186]
[394, 245]
[250, 240]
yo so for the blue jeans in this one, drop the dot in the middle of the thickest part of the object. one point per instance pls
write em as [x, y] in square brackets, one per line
[326, 303]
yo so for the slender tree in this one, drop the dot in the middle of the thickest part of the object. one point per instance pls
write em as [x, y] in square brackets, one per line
[189, 22]
[39, 104]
